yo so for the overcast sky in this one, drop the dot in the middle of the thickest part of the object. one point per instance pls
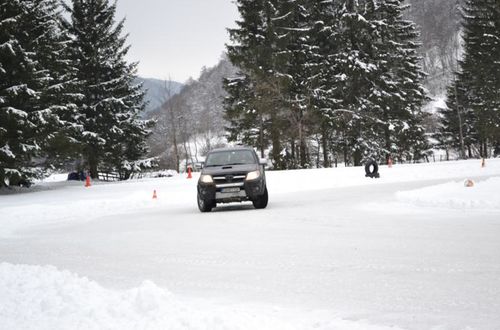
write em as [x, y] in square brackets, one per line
[176, 38]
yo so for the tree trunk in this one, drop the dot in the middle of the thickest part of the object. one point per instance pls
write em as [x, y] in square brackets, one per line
[387, 143]
[2, 178]
[174, 138]
[92, 163]
[346, 162]
[196, 150]
[324, 145]
[275, 141]
[318, 151]
[186, 153]
[357, 157]
[276, 151]
[303, 153]
[261, 137]
[302, 145]
[176, 154]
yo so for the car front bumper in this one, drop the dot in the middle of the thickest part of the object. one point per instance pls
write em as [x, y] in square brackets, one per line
[232, 192]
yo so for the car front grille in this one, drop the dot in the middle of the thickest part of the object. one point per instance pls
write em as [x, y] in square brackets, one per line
[229, 178]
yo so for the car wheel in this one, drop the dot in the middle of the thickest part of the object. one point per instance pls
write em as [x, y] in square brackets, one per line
[261, 202]
[204, 205]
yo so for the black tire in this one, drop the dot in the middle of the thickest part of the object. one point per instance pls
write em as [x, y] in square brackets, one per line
[261, 202]
[369, 172]
[204, 205]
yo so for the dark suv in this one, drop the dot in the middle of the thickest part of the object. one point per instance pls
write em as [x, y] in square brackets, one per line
[232, 175]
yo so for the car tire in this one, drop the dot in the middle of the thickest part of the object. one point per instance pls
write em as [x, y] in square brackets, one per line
[204, 205]
[261, 202]
[369, 173]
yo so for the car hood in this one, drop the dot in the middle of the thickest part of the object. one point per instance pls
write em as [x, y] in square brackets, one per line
[230, 169]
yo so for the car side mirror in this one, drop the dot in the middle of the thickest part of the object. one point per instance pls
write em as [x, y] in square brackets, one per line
[263, 161]
[200, 165]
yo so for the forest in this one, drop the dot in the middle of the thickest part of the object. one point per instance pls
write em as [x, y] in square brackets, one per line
[312, 85]
[68, 100]
[308, 84]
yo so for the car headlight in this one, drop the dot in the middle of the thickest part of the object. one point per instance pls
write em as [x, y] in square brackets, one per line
[206, 179]
[253, 175]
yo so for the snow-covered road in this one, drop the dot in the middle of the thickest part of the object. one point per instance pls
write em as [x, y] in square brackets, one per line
[333, 250]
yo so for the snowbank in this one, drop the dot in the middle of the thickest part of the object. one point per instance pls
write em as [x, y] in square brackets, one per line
[319, 179]
[484, 195]
[35, 297]
[56, 177]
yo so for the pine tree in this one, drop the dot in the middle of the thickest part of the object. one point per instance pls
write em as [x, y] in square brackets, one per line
[400, 95]
[28, 34]
[17, 137]
[325, 77]
[378, 110]
[479, 76]
[56, 97]
[346, 71]
[112, 133]
[357, 68]
[296, 67]
[259, 117]
[456, 128]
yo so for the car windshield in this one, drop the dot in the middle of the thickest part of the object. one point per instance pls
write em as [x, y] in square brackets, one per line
[230, 157]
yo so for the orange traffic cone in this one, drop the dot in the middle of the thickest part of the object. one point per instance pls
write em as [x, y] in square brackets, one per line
[189, 173]
[87, 181]
[154, 194]
[483, 163]
[389, 162]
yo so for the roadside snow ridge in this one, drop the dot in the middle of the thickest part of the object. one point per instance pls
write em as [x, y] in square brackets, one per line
[42, 297]
[484, 195]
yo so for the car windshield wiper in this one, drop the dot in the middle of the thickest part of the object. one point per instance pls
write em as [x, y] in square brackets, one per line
[235, 164]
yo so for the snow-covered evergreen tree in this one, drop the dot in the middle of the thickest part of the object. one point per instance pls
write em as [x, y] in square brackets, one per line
[399, 94]
[18, 142]
[259, 118]
[379, 79]
[456, 127]
[347, 71]
[355, 65]
[108, 111]
[50, 40]
[31, 42]
[293, 65]
[478, 79]
[281, 78]
[324, 77]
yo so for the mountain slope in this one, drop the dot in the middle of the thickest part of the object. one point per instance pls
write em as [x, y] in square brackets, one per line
[195, 116]
[157, 91]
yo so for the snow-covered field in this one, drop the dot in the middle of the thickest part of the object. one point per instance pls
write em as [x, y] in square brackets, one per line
[414, 249]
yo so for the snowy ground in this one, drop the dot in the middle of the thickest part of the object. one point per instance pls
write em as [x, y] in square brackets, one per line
[414, 249]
